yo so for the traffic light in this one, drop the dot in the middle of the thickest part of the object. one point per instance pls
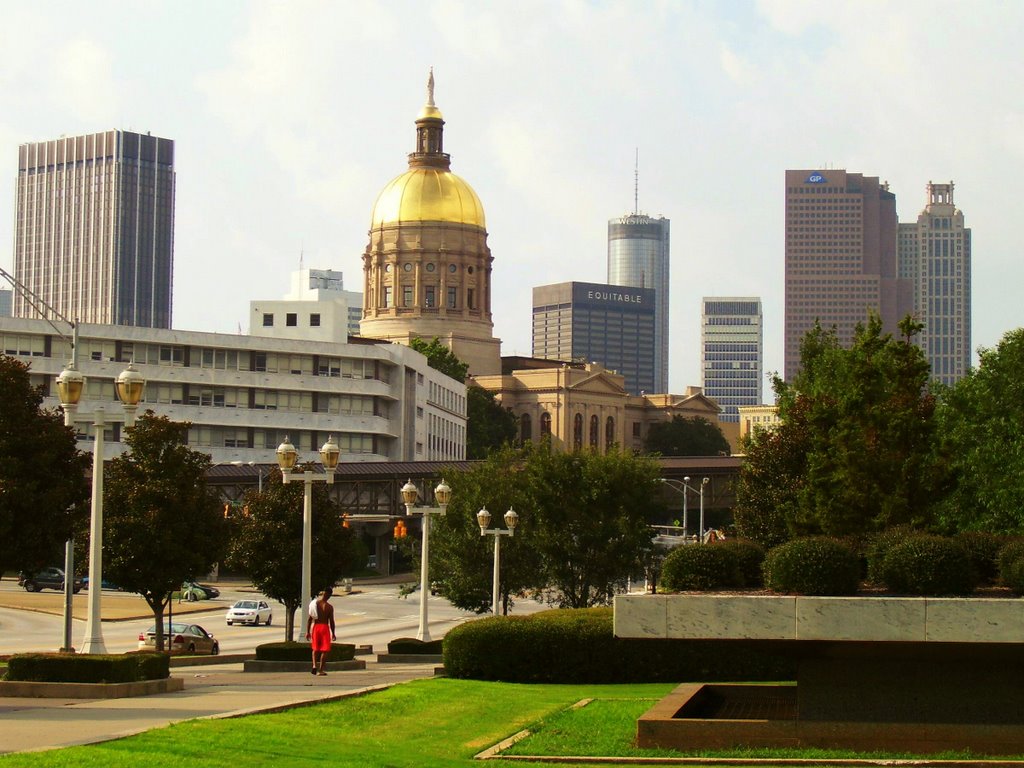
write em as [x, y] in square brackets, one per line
[400, 530]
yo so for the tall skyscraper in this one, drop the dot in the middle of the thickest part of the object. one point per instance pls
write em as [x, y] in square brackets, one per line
[935, 255]
[592, 323]
[94, 229]
[638, 257]
[732, 352]
[5, 302]
[840, 256]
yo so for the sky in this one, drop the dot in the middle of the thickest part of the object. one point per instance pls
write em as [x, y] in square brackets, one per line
[290, 118]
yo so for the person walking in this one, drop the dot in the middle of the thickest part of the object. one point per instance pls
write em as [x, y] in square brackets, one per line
[320, 630]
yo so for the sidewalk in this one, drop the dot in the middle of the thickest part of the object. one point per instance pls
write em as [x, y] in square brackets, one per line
[212, 691]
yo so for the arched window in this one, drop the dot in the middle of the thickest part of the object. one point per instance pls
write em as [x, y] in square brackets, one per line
[595, 428]
[525, 429]
[577, 432]
[545, 424]
[609, 433]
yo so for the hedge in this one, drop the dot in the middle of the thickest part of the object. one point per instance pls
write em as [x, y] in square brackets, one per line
[813, 565]
[412, 645]
[91, 668]
[701, 567]
[928, 565]
[294, 651]
[577, 646]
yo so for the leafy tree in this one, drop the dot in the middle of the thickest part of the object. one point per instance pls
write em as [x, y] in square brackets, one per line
[982, 422]
[489, 426]
[267, 544]
[43, 491]
[856, 451]
[461, 560]
[163, 524]
[695, 436]
[583, 524]
[440, 358]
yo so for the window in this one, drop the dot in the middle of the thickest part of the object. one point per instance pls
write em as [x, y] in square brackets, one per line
[387, 296]
[407, 295]
[525, 429]
[314, 320]
[429, 298]
[452, 296]
[291, 319]
[595, 428]
[577, 431]
[609, 433]
[268, 319]
[545, 425]
[469, 298]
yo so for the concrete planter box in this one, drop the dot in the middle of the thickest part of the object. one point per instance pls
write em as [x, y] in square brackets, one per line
[29, 690]
[920, 674]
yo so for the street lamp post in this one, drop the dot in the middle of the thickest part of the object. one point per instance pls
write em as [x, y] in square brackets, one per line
[286, 459]
[129, 385]
[443, 494]
[483, 518]
[683, 487]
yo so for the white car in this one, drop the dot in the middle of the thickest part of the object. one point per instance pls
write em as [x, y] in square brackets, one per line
[249, 612]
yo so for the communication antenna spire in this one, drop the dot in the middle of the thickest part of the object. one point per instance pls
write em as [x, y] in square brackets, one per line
[636, 183]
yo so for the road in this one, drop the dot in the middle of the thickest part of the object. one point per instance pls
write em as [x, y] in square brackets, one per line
[372, 614]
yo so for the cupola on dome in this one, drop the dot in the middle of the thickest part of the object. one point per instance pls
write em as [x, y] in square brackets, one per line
[428, 191]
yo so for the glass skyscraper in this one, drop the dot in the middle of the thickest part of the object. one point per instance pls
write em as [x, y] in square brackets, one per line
[94, 228]
[732, 352]
[638, 257]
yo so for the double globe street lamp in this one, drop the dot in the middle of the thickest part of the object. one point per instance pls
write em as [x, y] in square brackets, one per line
[70, 385]
[287, 457]
[410, 494]
[483, 518]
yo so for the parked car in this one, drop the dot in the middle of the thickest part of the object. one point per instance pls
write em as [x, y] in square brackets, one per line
[47, 578]
[191, 590]
[249, 612]
[107, 584]
[181, 638]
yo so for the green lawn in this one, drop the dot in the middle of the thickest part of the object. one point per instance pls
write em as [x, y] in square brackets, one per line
[421, 724]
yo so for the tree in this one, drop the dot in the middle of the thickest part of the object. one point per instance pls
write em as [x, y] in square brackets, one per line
[856, 451]
[489, 426]
[461, 559]
[267, 544]
[695, 436]
[440, 358]
[43, 491]
[583, 525]
[164, 525]
[982, 423]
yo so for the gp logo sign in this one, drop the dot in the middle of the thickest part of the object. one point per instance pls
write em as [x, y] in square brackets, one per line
[816, 178]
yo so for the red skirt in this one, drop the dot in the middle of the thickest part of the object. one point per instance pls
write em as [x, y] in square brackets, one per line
[321, 638]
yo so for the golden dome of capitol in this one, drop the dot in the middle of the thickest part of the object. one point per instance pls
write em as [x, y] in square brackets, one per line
[428, 191]
[428, 194]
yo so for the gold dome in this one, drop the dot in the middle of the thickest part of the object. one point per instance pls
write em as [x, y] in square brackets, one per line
[428, 194]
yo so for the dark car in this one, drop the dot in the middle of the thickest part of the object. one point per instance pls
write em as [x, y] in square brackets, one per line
[47, 578]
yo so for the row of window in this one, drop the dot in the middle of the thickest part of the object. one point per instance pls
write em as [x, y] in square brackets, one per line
[291, 319]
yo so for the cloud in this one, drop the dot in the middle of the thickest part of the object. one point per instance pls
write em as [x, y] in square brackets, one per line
[82, 80]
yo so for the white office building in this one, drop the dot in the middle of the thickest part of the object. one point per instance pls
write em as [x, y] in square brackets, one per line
[732, 352]
[316, 308]
[244, 394]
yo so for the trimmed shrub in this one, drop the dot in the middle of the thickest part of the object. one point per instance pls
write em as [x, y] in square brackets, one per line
[982, 550]
[1011, 566]
[700, 567]
[73, 668]
[928, 565]
[412, 645]
[812, 565]
[577, 646]
[878, 545]
[750, 558]
[293, 651]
